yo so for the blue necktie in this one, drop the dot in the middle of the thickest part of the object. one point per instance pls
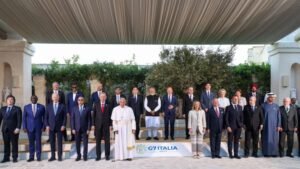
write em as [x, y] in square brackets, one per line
[80, 110]
[8, 110]
[55, 109]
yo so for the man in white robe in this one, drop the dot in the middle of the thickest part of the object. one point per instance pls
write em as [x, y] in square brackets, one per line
[124, 128]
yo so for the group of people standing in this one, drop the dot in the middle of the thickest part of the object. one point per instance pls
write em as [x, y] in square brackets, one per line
[204, 115]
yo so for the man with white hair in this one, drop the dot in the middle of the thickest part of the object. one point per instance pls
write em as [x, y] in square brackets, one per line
[124, 127]
[289, 124]
[272, 126]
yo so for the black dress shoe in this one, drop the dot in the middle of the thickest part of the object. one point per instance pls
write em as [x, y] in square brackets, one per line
[172, 138]
[30, 159]
[98, 159]
[254, 155]
[218, 156]
[237, 157]
[51, 159]
[137, 138]
[246, 156]
[230, 156]
[156, 138]
[85, 159]
[129, 159]
[60, 159]
[290, 155]
[148, 138]
[5, 160]
[15, 160]
[39, 159]
[78, 159]
[213, 157]
[166, 138]
[187, 137]
[107, 158]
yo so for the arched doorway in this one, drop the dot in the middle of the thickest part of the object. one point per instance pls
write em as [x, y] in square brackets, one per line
[7, 81]
[295, 80]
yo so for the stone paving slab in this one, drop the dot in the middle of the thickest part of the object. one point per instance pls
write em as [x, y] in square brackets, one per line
[164, 163]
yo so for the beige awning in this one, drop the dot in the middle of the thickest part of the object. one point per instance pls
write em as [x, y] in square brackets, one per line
[152, 21]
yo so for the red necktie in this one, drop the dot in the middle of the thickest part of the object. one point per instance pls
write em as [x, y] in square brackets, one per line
[102, 108]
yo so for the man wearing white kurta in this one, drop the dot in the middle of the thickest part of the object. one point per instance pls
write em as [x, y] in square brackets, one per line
[152, 106]
[124, 128]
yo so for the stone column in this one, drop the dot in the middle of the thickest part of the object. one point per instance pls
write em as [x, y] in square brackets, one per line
[283, 56]
[39, 82]
[15, 66]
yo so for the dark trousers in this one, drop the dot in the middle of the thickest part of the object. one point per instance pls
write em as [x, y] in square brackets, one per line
[187, 132]
[215, 143]
[251, 135]
[9, 138]
[137, 121]
[169, 121]
[234, 138]
[35, 143]
[53, 135]
[290, 142]
[103, 132]
[81, 136]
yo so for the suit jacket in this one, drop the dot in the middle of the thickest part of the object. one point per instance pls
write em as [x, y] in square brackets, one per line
[234, 118]
[206, 101]
[215, 123]
[253, 119]
[259, 98]
[289, 120]
[70, 102]
[81, 121]
[55, 122]
[12, 120]
[31, 122]
[113, 101]
[49, 97]
[101, 118]
[136, 105]
[187, 104]
[197, 119]
[166, 103]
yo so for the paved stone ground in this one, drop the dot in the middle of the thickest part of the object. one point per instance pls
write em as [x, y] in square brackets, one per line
[164, 163]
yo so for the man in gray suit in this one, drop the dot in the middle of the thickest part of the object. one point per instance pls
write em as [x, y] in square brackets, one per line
[289, 123]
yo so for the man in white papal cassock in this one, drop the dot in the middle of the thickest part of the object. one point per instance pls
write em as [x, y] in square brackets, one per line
[124, 128]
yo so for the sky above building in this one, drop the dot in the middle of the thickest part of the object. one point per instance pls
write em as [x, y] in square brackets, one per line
[144, 54]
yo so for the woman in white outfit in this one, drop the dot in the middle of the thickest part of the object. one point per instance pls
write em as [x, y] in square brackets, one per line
[197, 127]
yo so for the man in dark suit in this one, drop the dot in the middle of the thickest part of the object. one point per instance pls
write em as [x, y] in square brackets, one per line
[136, 102]
[187, 104]
[102, 126]
[206, 98]
[169, 104]
[115, 99]
[81, 122]
[215, 126]
[289, 124]
[95, 98]
[72, 99]
[258, 96]
[234, 123]
[11, 119]
[33, 125]
[55, 89]
[55, 123]
[253, 122]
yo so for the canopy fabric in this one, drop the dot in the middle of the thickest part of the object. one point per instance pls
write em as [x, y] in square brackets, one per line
[151, 21]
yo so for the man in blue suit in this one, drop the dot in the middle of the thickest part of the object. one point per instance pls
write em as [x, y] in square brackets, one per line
[206, 98]
[55, 122]
[215, 126]
[81, 122]
[169, 104]
[72, 99]
[33, 123]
